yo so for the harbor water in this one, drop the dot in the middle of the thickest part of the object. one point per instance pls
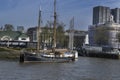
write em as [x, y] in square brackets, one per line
[83, 69]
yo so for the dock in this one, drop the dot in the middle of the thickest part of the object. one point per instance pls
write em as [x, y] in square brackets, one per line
[103, 55]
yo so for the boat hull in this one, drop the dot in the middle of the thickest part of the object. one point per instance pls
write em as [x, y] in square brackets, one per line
[28, 57]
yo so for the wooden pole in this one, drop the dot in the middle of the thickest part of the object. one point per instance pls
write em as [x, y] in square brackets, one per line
[38, 31]
[54, 27]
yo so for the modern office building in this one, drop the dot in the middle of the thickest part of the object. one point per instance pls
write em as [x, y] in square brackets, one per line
[108, 19]
[116, 13]
[100, 14]
[20, 28]
[31, 32]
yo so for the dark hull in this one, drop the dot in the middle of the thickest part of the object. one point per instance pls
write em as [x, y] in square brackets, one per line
[26, 57]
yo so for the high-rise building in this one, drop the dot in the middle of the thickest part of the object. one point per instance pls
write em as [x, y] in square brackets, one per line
[116, 14]
[20, 28]
[109, 20]
[101, 14]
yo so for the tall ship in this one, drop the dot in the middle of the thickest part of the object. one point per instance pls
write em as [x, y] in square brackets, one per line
[54, 55]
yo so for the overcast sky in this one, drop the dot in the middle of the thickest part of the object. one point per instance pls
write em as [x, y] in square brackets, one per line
[25, 12]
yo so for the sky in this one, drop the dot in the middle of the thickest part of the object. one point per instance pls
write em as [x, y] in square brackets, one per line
[25, 12]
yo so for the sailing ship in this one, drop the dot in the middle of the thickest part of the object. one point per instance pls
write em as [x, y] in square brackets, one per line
[54, 56]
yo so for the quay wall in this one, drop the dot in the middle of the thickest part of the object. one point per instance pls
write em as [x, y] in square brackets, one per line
[103, 55]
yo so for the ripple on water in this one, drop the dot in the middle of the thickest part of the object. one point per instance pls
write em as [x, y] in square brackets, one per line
[84, 69]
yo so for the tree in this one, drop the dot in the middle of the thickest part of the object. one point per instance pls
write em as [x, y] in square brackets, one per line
[8, 27]
[60, 37]
[101, 36]
[48, 31]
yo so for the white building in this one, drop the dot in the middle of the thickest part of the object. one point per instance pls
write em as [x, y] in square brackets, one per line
[112, 28]
[13, 36]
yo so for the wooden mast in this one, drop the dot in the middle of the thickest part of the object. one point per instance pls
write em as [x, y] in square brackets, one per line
[54, 27]
[38, 31]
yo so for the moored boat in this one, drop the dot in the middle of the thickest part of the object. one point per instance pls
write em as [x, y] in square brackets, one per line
[45, 57]
[54, 56]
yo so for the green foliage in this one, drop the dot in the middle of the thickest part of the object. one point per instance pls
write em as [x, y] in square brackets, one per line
[9, 54]
[47, 32]
[101, 35]
[60, 34]
[3, 49]
[8, 27]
